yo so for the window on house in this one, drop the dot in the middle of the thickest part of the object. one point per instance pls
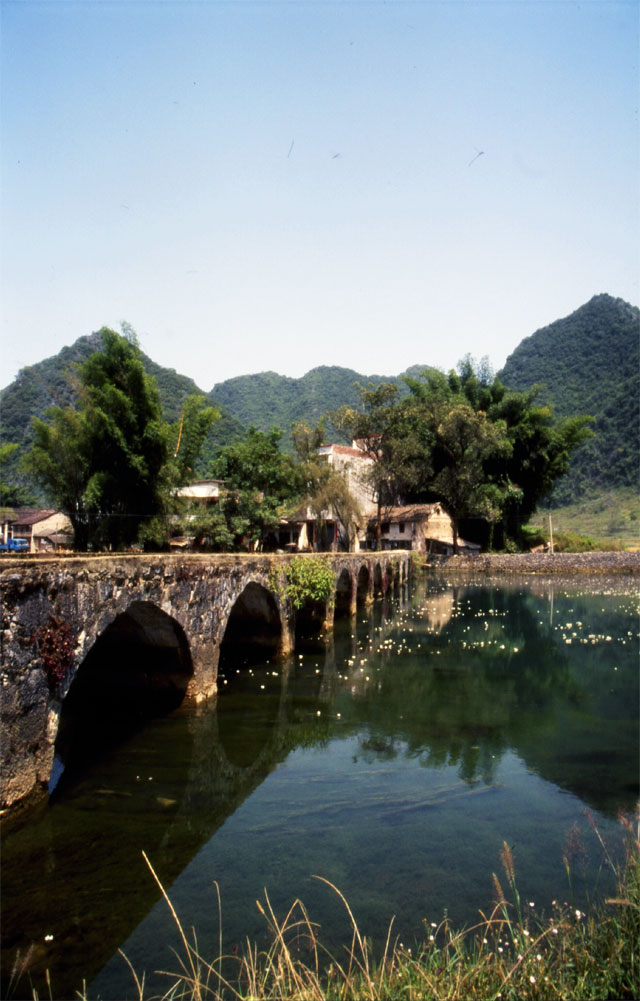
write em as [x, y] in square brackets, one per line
[384, 527]
[401, 527]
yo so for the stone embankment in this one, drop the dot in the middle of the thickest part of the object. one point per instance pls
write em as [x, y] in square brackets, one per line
[544, 563]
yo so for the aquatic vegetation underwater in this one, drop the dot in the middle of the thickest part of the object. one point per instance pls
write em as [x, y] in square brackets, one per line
[393, 760]
[512, 952]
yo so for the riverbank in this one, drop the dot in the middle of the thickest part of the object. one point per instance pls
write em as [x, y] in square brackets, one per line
[542, 563]
[512, 952]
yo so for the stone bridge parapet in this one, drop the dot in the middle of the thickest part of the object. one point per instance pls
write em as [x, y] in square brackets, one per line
[54, 611]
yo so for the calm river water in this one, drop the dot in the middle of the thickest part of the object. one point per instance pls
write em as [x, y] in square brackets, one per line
[393, 761]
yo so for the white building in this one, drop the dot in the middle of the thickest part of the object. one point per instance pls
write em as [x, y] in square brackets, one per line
[202, 491]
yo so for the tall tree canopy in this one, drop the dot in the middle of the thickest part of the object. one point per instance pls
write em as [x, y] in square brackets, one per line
[386, 429]
[486, 453]
[103, 462]
[260, 481]
[326, 490]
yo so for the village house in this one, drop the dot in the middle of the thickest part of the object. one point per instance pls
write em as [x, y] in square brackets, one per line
[205, 492]
[45, 529]
[353, 462]
[426, 528]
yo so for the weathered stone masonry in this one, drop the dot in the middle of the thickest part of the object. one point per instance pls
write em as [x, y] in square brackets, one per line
[81, 598]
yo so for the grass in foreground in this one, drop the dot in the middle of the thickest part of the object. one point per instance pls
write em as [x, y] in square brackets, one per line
[508, 954]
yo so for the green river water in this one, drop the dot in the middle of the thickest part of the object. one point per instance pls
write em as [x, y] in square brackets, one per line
[393, 760]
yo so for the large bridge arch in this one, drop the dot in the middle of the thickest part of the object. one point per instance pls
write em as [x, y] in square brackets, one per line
[138, 667]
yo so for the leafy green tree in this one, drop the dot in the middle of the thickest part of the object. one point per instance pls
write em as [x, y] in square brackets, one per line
[487, 454]
[386, 431]
[541, 450]
[260, 482]
[60, 462]
[11, 494]
[468, 439]
[520, 467]
[186, 438]
[103, 462]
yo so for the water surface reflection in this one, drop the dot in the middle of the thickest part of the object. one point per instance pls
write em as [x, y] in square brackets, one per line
[392, 760]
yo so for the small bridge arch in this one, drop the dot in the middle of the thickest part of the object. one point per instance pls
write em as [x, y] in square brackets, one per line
[257, 625]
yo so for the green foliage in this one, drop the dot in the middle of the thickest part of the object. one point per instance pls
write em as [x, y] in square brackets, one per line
[468, 440]
[487, 454]
[309, 579]
[54, 382]
[186, 438]
[102, 464]
[219, 528]
[588, 362]
[12, 494]
[609, 517]
[566, 542]
[260, 481]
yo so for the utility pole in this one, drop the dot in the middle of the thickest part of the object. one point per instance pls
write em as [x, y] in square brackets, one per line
[550, 536]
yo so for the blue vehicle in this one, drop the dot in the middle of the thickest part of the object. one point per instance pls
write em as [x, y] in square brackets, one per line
[15, 546]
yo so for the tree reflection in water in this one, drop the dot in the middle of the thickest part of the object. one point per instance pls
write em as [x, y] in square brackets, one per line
[358, 757]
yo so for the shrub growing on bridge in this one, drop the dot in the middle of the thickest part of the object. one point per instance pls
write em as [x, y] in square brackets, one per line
[309, 579]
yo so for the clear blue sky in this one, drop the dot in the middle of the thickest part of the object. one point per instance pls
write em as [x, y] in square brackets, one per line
[276, 186]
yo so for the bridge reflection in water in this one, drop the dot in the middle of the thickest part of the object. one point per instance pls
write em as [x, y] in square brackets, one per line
[75, 864]
[457, 710]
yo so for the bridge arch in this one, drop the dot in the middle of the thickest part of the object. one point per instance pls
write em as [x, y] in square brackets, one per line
[253, 629]
[343, 605]
[362, 585]
[138, 667]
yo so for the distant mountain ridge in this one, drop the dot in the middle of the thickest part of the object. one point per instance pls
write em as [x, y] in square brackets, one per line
[588, 362]
[267, 399]
[262, 400]
[52, 383]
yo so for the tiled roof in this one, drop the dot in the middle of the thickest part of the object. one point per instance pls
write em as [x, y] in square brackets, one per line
[357, 453]
[30, 515]
[412, 512]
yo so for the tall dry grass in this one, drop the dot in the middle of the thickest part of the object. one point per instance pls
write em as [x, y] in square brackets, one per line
[511, 953]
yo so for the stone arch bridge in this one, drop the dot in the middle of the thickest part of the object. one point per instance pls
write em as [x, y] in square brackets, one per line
[99, 613]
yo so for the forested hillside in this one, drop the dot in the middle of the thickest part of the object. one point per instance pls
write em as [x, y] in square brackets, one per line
[268, 399]
[263, 400]
[589, 363]
[52, 383]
